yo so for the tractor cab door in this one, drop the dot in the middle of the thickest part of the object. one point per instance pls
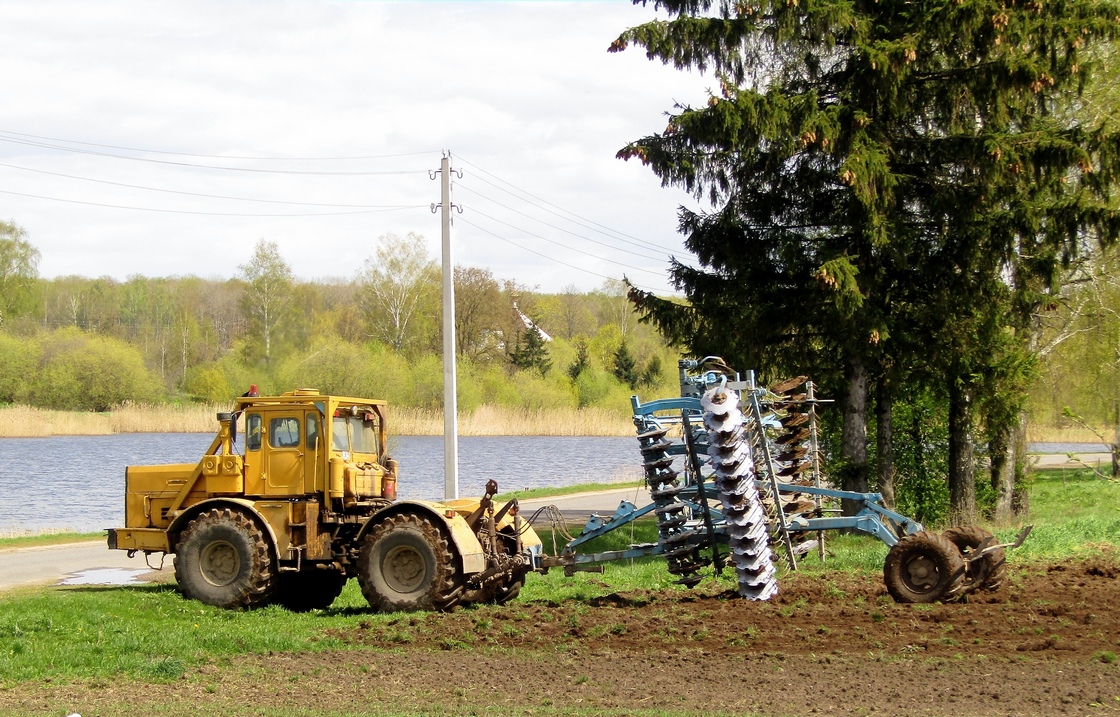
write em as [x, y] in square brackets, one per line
[285, 454]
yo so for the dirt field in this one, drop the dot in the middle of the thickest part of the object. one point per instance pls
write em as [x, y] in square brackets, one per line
[1044, 645]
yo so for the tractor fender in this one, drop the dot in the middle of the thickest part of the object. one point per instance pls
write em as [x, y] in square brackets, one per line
[245, 506]
[462, 537]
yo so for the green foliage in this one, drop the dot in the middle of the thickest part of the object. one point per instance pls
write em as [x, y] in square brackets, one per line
[531, 352]
[625, 368]
[582, 361]
[268, 297]
[18, 272]
[81, 371]
[19, 359]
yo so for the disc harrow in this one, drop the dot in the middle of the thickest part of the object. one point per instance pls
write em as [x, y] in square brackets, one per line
[680, 545]
[734, 477]
[731, 463]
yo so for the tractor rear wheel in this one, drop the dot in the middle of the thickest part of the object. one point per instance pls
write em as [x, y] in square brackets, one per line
[310, 589]
[223, 559]
[986, 573]
[406, 563]
[922, 568]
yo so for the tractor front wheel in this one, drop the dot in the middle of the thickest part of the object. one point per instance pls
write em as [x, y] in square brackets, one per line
[922, 568]
[223, 559]
[406, 563]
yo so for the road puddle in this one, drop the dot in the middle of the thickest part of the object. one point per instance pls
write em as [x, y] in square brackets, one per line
[105, 576]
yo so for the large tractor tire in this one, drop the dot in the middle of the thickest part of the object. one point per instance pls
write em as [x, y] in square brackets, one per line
[309, 589]
[923, 568]
[223, 559]
[987, 573]
[406, 563]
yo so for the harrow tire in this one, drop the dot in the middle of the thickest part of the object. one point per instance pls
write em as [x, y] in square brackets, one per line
[986, 574]
[309, 589]
[406, 564]
[223, 559]
[924, 567]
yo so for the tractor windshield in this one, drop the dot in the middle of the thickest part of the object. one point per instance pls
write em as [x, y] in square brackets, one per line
[357, 434]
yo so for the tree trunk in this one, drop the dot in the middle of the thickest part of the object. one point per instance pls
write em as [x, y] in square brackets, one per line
[1020, 496]
[853, 438]
[962, 464]
[1002, 452]
[884, 405]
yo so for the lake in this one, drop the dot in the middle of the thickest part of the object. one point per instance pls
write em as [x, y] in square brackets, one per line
[77, 482]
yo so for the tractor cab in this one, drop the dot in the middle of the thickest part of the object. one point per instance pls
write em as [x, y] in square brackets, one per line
[303, 442]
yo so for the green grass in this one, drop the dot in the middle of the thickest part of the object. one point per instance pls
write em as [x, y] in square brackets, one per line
[150, 631]
[28, 541]
[548, 492]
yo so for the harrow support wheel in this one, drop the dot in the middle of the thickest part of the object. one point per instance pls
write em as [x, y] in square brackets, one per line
[984, 574]
[309, 589]
[223, 559]
[924, 567]
[406, 563]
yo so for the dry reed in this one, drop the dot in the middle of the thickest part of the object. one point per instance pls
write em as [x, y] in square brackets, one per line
[26, 421]
[1071, 434]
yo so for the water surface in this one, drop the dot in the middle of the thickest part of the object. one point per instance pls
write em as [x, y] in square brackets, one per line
[77, 482]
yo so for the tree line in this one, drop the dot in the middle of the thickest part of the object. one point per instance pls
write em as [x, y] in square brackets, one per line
[93, 343]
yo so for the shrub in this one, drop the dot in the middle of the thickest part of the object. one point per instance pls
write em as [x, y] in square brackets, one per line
[88, 372]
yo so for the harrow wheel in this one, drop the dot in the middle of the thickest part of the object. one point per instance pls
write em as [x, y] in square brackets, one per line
[984, 574]
[924, 567]
[406, 563]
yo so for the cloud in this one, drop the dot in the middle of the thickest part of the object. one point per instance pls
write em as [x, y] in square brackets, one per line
[524, 92]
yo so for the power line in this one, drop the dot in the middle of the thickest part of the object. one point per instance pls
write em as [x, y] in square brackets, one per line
[214, 214]
[149, 160]
[214, 156]
[622, 236]
[191, 194]
[460, 185]
[563, 246]
[545, 256]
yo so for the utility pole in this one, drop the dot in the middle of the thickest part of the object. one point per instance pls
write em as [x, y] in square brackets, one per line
[450, 395]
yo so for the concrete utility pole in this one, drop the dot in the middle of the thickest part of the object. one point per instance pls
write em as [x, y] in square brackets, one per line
[450, 395]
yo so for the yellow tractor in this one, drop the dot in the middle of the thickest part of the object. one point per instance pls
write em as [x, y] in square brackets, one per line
[307, 501]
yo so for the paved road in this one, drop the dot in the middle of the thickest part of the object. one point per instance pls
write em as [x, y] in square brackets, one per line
[52, 563]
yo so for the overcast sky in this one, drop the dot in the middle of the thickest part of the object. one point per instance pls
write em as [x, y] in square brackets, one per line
[156, 121]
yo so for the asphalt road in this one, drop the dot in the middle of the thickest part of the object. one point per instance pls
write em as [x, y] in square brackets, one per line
[53, 563]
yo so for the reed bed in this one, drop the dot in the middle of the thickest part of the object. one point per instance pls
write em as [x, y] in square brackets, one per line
[30, 422]
[503, 421]
[1071, 434]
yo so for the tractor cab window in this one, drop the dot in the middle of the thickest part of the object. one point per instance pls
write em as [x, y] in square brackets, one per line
[283, 432]
[357, 434]
[363, 434]
[340, 437]
[253, 432]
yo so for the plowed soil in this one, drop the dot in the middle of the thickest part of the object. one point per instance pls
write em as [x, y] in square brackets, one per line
[1045, 644]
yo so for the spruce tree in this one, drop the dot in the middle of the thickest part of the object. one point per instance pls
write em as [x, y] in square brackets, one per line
[892, 186]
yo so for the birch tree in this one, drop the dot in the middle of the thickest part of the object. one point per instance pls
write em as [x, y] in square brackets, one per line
[268, 292]
[398, 282]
